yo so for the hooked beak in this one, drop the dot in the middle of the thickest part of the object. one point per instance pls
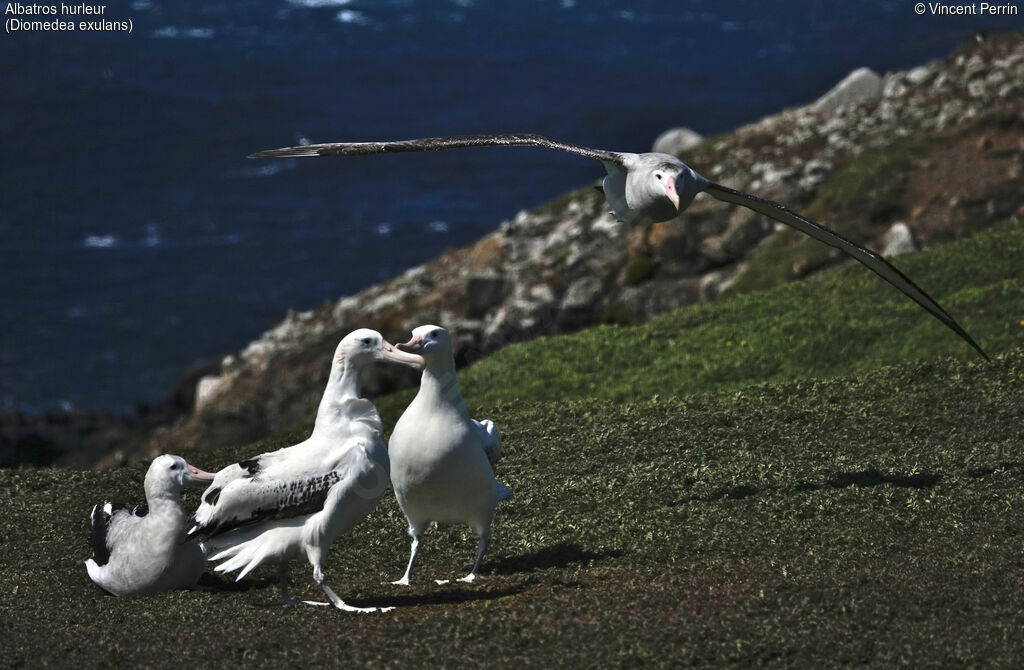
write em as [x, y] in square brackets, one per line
[670, 191]
[402, 355]
[413, 346]
[197, 476]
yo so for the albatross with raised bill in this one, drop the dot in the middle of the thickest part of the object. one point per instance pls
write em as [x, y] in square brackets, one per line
[442, 461]
[142, 550]
[299, 499]
[648, 188]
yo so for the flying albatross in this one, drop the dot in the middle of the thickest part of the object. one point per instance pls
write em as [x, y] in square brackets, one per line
[647, 188]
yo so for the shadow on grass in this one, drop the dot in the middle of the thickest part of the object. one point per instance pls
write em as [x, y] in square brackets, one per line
[978, 473]
[213, 584]
[873, 477]
[560, 555]
[448, 596]
[861, 478]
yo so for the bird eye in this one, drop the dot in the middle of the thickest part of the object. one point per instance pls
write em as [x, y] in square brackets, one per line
[658, 175]
[174, 466]
[367, 340]
[436, 333]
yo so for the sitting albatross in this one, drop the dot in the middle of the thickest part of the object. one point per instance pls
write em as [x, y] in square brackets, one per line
[647, 188]
[141, 550]
[299, 498]
[442, 461]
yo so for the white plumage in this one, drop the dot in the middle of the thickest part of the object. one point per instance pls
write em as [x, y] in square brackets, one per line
[143, 550]
[441, 459]
[296, 500]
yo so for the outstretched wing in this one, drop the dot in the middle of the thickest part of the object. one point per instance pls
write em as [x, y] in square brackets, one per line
[438, 144]
[873, 261]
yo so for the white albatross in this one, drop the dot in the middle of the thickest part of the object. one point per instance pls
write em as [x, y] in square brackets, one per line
[648, 188]
[442, 461]
[299, 499]
[142, 550]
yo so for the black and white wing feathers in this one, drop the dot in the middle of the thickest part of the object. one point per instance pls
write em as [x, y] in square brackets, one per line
[102, 517]
[438, 144]
[262, 498]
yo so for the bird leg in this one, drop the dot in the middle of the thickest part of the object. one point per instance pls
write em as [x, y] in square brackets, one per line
[485, 537]
[404, 581]
[318, 575]
[282, 576]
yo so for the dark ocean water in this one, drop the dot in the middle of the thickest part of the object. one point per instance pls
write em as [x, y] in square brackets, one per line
[136, 239]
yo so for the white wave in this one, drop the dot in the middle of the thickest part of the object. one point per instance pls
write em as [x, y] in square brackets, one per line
[352, 16]
[319, 3]
[100, 241]
[267, 169]
[384, 229]
[438, 227]
[174, 32]
[152, 238]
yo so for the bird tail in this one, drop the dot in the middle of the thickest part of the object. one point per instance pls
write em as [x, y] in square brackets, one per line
[247, 547]
[491, 440]
[504, 492]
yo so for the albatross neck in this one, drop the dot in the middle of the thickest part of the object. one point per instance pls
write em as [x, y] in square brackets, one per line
[440, 385]
[164, 499]
[342, 385]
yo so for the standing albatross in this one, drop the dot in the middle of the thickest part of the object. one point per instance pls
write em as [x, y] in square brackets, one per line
[648, 188]
[299, 498]
[442, 461]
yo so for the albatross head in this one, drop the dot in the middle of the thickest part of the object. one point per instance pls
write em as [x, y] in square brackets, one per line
[364, 346]
[659, 187]
[429, 343]
[171, 473]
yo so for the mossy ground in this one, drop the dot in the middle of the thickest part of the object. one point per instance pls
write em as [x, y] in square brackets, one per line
[862, 195]
[870, 516]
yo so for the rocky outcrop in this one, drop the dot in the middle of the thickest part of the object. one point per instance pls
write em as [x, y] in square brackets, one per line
[569, 264]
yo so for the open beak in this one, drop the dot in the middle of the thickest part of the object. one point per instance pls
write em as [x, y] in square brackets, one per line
[197, 476]
[402, 355]
[670, 191]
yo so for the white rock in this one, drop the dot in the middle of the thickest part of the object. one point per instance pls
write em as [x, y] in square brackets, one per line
[920, 75]
[899, 240]
[861, 85]
[676, 141]
[206, 389]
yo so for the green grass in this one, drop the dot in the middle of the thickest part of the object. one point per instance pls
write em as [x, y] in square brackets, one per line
[846, 322]
[859, 196]
[672, 506]
[872, 519]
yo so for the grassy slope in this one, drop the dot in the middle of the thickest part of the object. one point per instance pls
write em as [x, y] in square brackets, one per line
[872, 518]
[846, 322]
